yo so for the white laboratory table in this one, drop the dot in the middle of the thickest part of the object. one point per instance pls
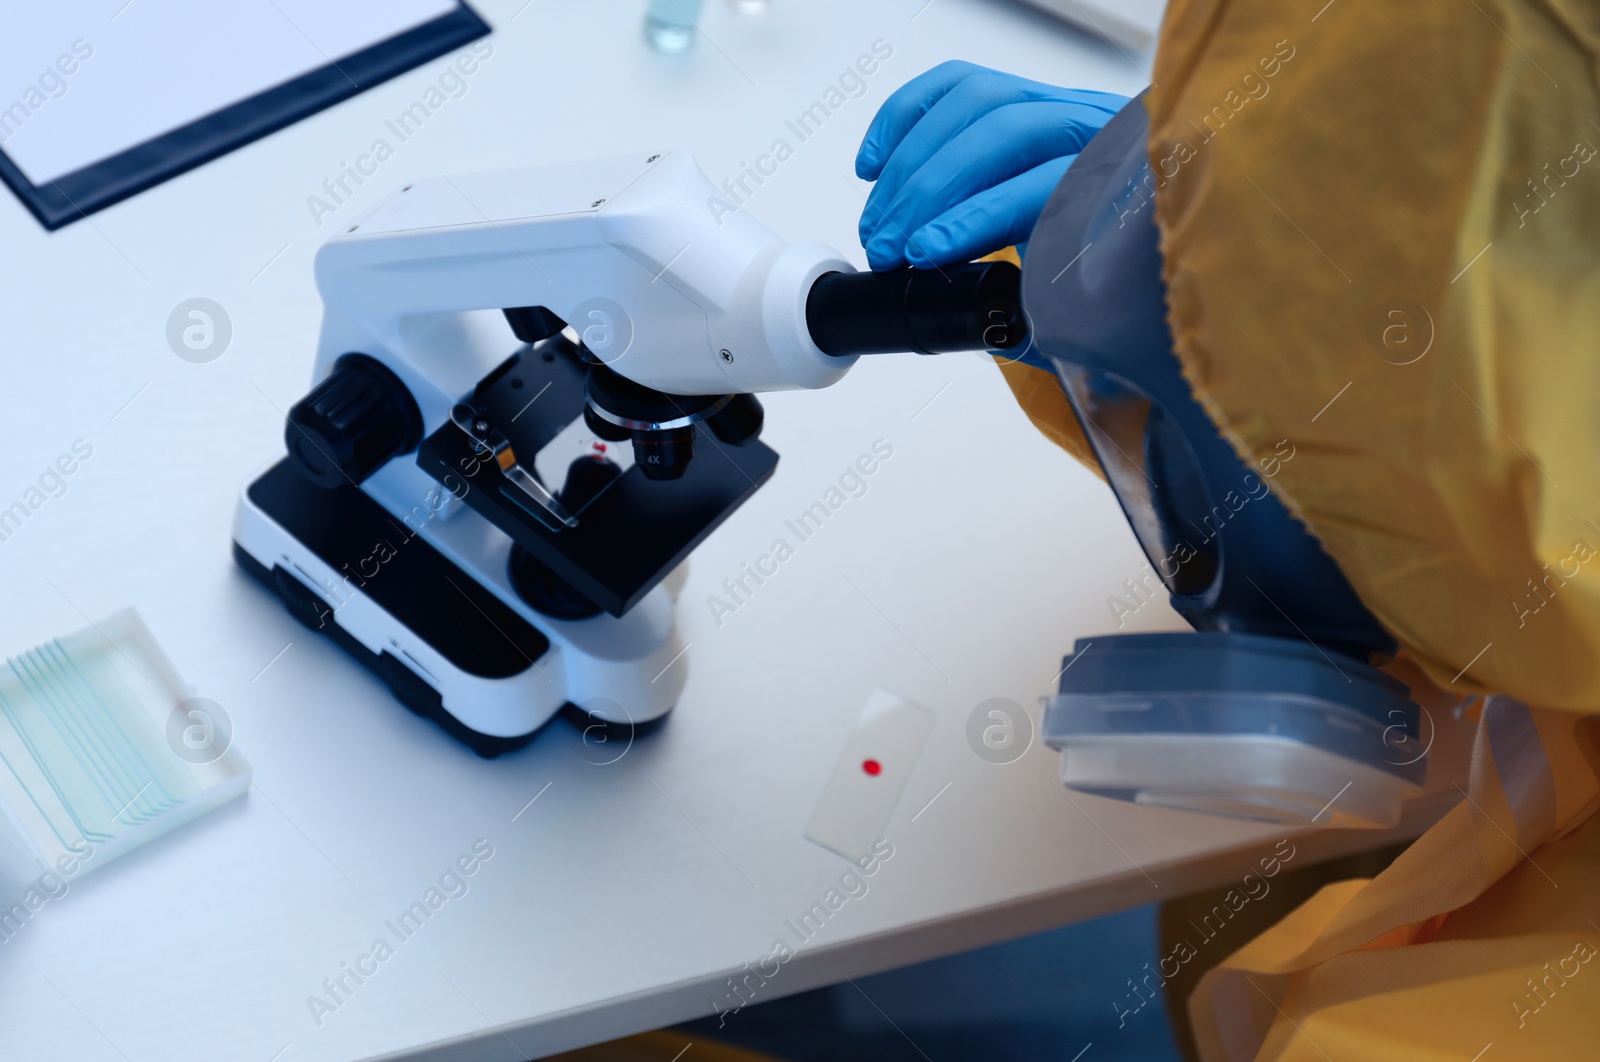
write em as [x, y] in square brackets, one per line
[625, 895]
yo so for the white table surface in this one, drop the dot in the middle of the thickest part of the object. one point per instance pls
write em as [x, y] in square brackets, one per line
[627, 893]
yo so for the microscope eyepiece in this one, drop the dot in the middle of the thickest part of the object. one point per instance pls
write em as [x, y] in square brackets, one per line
[974, 306]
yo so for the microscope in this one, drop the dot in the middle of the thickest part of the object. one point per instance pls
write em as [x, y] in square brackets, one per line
[534, 396]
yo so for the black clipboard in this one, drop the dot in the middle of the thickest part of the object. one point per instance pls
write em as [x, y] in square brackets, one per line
[64, 199]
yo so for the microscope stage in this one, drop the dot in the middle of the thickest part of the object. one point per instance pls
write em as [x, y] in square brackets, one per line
[635, 531]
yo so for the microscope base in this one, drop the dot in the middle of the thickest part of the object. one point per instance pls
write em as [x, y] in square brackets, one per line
[448, 647]
[408, 688]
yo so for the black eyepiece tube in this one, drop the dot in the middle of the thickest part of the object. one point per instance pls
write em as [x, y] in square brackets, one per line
[974, 306]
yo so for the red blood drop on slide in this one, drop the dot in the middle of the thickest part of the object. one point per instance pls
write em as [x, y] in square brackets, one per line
[872, 767]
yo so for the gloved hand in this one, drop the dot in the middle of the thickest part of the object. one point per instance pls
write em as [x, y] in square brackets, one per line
[965, 158]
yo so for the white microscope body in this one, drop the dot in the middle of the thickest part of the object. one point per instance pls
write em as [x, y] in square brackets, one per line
[627, 253]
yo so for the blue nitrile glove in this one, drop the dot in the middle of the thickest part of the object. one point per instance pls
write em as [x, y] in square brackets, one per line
[964, 158]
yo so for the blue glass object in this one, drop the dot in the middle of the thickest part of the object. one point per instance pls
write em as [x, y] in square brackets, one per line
[669, 25]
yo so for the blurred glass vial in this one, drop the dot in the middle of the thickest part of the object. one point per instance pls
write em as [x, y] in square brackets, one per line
[669, 24]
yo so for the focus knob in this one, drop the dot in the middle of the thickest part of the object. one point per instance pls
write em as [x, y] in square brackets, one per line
[352, 423]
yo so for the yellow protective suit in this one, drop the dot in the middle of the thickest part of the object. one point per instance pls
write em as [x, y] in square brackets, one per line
[1380, 232]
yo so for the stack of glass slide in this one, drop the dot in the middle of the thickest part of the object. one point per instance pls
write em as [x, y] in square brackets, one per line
[103, 748]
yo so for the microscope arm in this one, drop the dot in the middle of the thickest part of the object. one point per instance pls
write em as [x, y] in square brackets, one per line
[695, 302]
